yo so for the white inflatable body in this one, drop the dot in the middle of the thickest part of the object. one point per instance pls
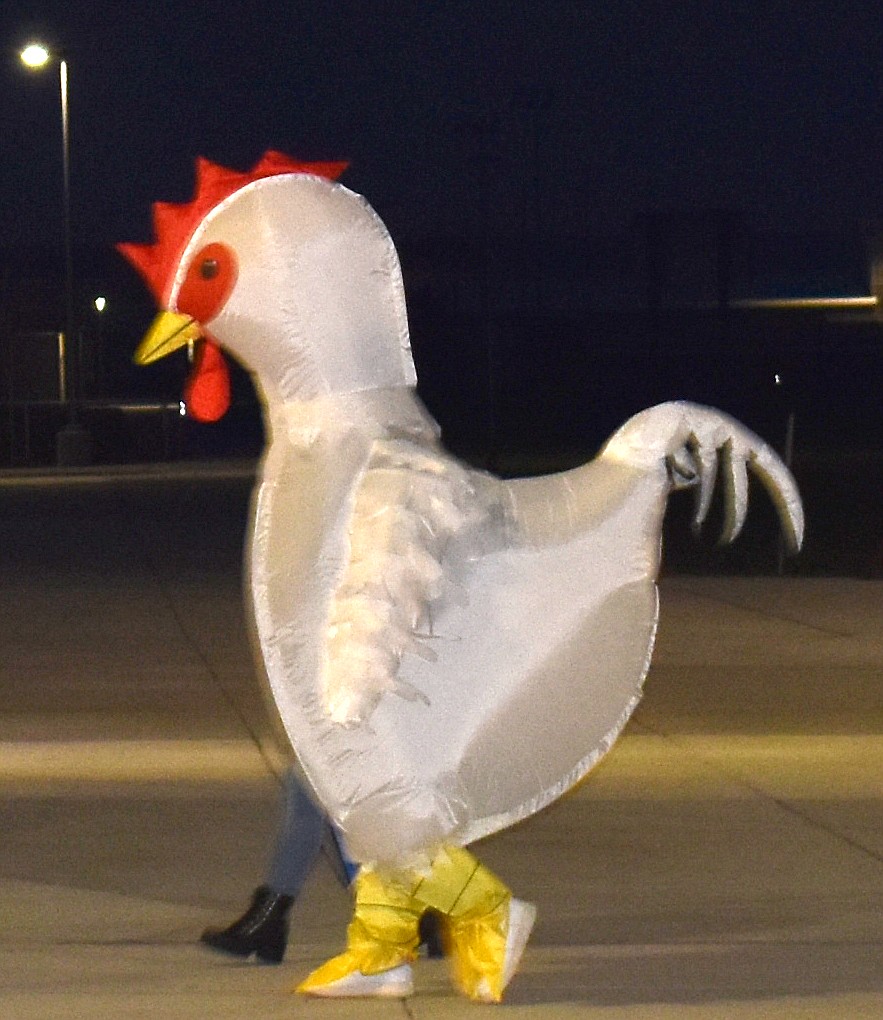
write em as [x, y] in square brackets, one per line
[448, 651]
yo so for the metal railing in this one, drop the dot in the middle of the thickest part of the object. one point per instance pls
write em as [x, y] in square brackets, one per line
[123, 431]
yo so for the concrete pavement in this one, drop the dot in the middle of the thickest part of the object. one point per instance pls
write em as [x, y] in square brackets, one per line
[724, 861]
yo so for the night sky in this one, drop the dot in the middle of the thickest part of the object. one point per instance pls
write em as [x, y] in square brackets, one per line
[453, 110]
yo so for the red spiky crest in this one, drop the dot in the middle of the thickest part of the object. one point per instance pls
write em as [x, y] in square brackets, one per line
[175, 223]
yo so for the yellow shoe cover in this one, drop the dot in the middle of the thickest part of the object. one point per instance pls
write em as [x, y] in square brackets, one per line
[519, 924]
[382, 941]
[487, 928]
[488, 931]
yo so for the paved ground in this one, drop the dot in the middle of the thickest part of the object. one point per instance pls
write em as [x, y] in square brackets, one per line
[725, 861]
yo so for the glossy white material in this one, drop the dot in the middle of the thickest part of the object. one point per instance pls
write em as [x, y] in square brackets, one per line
[448, 652]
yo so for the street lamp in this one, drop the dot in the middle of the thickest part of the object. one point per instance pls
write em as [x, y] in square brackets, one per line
[73, 442]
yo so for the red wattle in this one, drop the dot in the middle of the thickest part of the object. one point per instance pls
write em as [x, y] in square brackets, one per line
[207, 392]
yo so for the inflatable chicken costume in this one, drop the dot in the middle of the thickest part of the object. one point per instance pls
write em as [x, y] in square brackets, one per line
[448, 652]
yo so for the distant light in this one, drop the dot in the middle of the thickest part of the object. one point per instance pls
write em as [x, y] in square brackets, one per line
[35, 55]
[778, 379]
[182, 409]
[100, 303]
[862, 301]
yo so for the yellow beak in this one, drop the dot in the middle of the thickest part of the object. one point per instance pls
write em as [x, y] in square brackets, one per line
[168, 332]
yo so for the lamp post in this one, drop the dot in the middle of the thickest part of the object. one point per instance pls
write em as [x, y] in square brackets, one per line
[99, 304]
[73, 442]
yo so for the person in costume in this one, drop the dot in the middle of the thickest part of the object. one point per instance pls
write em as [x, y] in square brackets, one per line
[395, 592]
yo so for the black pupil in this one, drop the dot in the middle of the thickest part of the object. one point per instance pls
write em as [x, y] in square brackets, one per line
[209, 269]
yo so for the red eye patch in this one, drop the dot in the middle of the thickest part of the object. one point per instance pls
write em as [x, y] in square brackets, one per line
[208, 283]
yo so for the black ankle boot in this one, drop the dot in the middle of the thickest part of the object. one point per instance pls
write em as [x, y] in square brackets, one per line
[262, 929]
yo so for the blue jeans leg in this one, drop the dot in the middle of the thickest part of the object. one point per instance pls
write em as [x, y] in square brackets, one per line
[298, 839]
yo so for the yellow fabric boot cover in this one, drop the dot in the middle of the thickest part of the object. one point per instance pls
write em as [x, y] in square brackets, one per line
[475, 903]
[383, 933]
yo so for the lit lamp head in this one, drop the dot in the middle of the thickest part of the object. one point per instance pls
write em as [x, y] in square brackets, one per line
[35, 55]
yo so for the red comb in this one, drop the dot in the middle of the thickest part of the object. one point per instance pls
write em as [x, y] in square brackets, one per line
[174, 223]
